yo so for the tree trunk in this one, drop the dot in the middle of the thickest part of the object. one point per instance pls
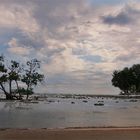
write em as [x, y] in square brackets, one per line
[20, 97]
[10, 87]
[9, 97]
[27, 96]
[2, 87]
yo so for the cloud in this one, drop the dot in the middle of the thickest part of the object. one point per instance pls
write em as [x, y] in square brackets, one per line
[123, 16]
[64, 62]
[16, 48]
[78, 43]
[120, 19]
[18, 17]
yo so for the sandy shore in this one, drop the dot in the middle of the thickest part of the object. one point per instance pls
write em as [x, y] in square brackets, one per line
[71, 134]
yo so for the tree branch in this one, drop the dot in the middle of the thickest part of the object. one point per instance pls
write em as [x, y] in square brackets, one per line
[3, 89]
[0, 88]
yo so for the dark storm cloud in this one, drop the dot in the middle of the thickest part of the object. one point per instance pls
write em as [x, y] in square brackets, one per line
[120, 19]
[127, 15]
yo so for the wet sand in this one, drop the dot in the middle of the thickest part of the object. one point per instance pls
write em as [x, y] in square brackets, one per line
[71, 134]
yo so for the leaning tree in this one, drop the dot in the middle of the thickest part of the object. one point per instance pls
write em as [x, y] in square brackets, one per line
[13, 74]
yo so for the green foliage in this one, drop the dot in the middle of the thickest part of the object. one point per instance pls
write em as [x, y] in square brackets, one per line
[3, 71]
[127, 80]
[32, 77]
[24, 91]
[14, 71]
[3, 78]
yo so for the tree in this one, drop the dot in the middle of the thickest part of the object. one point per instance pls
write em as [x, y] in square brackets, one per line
[135, 71]
[3, 76]
[14, 73]
[121, 79]
[127, 80]
[32, 77]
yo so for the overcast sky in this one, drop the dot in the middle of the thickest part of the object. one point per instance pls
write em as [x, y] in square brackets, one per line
[79, 42]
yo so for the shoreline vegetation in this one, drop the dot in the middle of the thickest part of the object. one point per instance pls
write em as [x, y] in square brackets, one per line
[14, 74]
[127, 80]
[109, 133]
[18, 79]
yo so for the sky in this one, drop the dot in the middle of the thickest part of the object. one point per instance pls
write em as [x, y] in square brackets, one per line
[79, 42]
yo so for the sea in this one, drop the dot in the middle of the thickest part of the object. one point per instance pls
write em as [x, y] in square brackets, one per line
[63, 111]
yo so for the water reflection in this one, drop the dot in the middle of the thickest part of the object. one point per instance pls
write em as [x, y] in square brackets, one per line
[54, 113]
[12, 105]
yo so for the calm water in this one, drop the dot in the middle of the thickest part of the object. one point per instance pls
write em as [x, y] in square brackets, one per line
[60, 113]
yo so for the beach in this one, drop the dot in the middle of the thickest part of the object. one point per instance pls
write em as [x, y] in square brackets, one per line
[74, 118]
[71, 134]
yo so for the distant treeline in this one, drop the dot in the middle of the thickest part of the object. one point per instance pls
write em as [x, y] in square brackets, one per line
[127, 80]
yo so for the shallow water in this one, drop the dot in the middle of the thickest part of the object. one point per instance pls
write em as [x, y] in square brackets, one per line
[61, 113]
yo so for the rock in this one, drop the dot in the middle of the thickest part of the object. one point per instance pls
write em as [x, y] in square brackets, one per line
[85, 101]
[72, 102]
[99, 104]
